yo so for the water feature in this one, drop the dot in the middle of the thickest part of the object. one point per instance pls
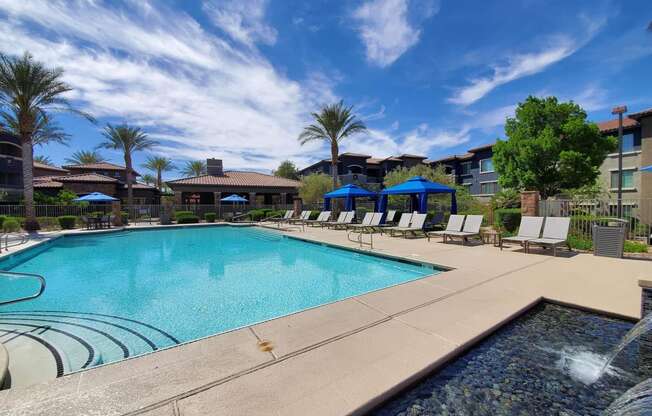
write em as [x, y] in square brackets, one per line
[546, 362]
[636, 401]
[643, 327]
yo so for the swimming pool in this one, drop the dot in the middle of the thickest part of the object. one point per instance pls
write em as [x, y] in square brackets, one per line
[116, 295]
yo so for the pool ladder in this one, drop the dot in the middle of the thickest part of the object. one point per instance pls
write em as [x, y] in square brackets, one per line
[360, 240]
[14, 275]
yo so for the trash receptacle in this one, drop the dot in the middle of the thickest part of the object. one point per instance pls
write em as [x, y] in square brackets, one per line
[609, 239]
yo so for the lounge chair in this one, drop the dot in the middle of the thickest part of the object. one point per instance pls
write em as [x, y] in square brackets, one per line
[471, 228]
[530, 229]
[305, 216]
[455, 223]
[323, 216]
[417, 223]
[343, 220]
[391, 214]
[366, 220]
[555, 233]
[403, 222]
[286, 216]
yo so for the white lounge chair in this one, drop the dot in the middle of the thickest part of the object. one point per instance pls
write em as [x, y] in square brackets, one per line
[455, 223]
[348, 219]
[530, 229]
[305, 216]
[324, 216]
[403, 222]
[417, 223]
[471, 228]
[555, 233]
[366, 220]
[391, 214]
[286, 216]
[344, 218]
[370, 220]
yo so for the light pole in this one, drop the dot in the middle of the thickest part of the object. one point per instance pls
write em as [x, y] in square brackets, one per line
[620, 110]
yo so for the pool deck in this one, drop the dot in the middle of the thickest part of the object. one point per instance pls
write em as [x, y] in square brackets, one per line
[348, 356]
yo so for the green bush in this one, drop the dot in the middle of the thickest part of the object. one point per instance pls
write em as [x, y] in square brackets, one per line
[48, 223]
[579, 243]
[314, 215]
[274, 213]
[10, 225]
[507, 219]
[188, 219]
[67, 222]
[2, 219]
[635, 247]
[210, 216]
[178, 214]
[124, 216]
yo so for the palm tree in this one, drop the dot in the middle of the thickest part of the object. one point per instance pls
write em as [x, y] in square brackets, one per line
[149, 179]
[194, 168]
[84, 157]
[159, 164]
[29, 92]
[334, 123]
[129, 140]
[43, 160]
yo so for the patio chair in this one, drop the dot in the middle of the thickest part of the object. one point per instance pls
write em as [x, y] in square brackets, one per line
[346, 220]
[471, 228]
[403, 222]
[324, 216]
[286, 216]
[366, 220]
[372, 226]
[304, 216]
[417, 223]
[530, 229]
[87, 223]
[391, 214]
[455, 223]
[555, 234]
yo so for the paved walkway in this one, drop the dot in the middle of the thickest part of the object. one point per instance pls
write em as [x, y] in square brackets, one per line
[348, 356]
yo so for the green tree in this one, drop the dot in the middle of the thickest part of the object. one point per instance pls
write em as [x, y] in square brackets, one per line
[45, 160]
[314, 186]
[129, 140]
[402, 174]
[148, 179]
[550, 146]
[194, 168]
[333, 124]
[85, 157]
[29, 94]
[159, 164]
[287, 169]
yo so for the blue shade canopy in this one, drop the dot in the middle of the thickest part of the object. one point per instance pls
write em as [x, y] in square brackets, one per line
[234, 198]
[96, 197]
[647, 169]
[349, 192]
[418, 188]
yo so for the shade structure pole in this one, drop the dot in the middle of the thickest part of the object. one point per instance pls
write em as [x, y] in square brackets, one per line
[453, 203]
[423, 203]
[382, 206]
[327, 204]
[414, 202]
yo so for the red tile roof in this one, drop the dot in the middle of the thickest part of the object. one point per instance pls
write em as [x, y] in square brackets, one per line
[373, 161]
[483, 147]
[82, 177]
[49, 167]
[98, 166]
[354, 155]
[242, 179]
[138, 185]
[612, 125]
[46, 183]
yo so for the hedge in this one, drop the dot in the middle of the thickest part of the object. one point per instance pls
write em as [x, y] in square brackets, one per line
[67, 222]
[256, 214]
[178, 214]
[10, 225]
[507, 219]
[2, 219]
[188, 219]
[210, 216]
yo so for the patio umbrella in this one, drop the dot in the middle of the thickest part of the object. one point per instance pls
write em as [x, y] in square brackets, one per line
[95, 197]
[647, 169]
[418, 188]
[234, 198]
[349, 193]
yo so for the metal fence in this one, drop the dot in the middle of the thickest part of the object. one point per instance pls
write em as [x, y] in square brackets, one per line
[585, 213]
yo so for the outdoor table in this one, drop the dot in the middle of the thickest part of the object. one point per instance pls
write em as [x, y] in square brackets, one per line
[491, 236]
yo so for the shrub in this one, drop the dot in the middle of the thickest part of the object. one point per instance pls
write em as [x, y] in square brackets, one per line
[635, 247]
[188, 219]
[67, 222]
[256, 214]
[183, 213]
[507, 219]
[48, 223]
[124, 216]
[10, 225]
[314, 215]
[580, 243]
[2, 219]
[210, 216]
[274, 213]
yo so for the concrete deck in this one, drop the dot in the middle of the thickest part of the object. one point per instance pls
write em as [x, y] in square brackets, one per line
[345, 357]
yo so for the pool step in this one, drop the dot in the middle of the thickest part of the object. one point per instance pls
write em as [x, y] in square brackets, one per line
[72, 341]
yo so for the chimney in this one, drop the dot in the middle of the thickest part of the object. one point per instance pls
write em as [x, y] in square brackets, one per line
[214, 167]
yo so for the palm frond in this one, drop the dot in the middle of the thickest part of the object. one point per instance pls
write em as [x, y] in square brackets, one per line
[84, 157]
[333, 123]
[194, 168]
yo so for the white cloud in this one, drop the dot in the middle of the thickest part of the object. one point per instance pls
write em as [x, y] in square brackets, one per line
[244, 21]
[385, 29]
[199, 95]
[517, 66]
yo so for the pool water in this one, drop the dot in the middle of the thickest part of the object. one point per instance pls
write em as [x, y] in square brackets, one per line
[523, 369]
[128, 293]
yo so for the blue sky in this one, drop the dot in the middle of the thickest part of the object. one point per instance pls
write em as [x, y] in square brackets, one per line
[237, 80]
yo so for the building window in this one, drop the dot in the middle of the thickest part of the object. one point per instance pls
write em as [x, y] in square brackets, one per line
[628, 142]
[628, 179]
[488, 188]
[465, 168]
[486, 165]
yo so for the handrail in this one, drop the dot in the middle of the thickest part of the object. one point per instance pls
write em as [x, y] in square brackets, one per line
[23, 275]
[23, 239]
